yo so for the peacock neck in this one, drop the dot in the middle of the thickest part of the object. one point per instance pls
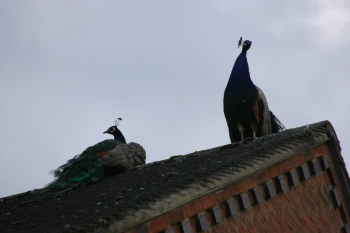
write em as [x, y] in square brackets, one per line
[119, 138]
[240, 76]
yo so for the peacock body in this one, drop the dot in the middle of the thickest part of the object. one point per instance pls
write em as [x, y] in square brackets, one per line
[95, 163]
[245, 106]
[83, 169]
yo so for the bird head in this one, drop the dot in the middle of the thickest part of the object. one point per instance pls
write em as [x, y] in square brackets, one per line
[113, 130]
[246, 45]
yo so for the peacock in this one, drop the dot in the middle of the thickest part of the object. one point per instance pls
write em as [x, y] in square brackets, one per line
[245, 106]
[106, 158]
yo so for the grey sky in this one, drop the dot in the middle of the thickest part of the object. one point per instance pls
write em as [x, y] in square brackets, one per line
[69, 68]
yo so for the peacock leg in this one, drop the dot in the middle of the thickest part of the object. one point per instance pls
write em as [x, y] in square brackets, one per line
[254, 128]
[240, 129]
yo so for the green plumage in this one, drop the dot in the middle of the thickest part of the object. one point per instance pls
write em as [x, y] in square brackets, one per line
[82, 169]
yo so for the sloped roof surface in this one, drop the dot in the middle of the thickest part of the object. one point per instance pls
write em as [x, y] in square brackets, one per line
[96, 205]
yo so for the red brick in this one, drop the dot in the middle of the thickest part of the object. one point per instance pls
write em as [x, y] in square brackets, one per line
[295, 203]
[299, 187]
[319, 179]
[319, 202]
[320, 150]
[298, 219]
[282, 222]
[271, 206]
[285, 202]
[327, 180]
[256, 211]
[325, 216]
[223, 211]
[311, 183]
[285, 166]
[298, 160]
[273, 172]
[329, 214]
[324, 222]
[243, 217]
[291, 222]
[265, 209]
[323, 177]
[223, 195]
[176, 216]
[276, 200]
[208, 201]
[249, 183]
[261, 228]
[209, 218]
[221, 229]
[325, 194]
[300, 199]
[211, 230]
[310, 224]
[192, 209]
[229, 227]
[305, 185]
[159, 224]
[237, 188]
[317, 223]
[275, 224]
[175, 229]
[309, 201]
[242, 228]
[261, 177]
[309, 155]
[323, 190]
[330, 219]
[250, 197]
[335, 229]
[269, 226]
[252, 228]
[234, 220]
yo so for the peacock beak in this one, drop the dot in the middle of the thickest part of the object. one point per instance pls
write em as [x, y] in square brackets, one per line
[106, 131]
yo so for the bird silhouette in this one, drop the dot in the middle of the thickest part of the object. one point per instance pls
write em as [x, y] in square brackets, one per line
[245, 106]
[106, 158]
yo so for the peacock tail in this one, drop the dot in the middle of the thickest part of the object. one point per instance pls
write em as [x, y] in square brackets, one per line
[83, 169]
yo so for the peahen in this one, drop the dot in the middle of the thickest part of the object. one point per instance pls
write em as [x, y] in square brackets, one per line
[246, 110]
[106, 158]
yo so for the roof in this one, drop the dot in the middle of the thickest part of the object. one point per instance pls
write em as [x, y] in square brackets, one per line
[145, 192]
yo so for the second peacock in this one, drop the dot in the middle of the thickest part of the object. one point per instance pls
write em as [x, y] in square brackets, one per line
[106, 158]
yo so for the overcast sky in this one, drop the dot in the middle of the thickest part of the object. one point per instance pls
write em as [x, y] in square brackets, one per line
[68, 69]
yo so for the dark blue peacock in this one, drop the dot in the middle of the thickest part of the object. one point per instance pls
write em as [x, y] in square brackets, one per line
[97, 162]
[245, 106]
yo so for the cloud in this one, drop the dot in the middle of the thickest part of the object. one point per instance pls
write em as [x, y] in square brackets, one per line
[328, 22]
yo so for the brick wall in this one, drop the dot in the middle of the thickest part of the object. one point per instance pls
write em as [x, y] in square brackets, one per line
[299, 194]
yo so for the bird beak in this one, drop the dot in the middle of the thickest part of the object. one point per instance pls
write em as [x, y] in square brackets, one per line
[106, 131]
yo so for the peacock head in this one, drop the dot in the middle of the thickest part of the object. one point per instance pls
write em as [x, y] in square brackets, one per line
[113, 130]
[246, 45]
